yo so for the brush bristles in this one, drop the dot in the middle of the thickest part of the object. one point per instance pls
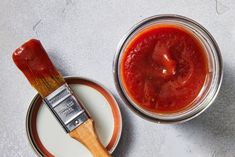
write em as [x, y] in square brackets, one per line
[46, 85]
[33, 61]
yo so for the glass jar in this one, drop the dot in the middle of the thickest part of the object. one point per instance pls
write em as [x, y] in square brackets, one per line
[212, 83]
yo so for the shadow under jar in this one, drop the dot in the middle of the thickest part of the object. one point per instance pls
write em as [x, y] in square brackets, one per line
[168, 69]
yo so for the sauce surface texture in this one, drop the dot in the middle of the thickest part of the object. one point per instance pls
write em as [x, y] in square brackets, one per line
[163, 68]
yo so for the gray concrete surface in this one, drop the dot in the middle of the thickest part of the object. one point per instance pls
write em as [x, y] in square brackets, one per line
[81, 38]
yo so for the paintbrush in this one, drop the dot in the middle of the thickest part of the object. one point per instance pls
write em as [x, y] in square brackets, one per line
[33, 61]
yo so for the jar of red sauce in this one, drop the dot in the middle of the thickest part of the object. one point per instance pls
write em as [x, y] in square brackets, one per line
[168, 68]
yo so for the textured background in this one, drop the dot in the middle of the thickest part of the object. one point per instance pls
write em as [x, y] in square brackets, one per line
[81, 38]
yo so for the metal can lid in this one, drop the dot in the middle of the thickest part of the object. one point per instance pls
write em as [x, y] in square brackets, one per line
[48, 138]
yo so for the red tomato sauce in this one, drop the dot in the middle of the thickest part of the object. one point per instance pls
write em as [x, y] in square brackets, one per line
[32, 59]
[163, 68]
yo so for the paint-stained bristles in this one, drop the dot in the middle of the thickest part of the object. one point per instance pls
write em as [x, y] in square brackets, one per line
[33, 61]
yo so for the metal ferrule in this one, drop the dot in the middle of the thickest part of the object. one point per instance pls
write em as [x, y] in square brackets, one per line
[66, 108]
